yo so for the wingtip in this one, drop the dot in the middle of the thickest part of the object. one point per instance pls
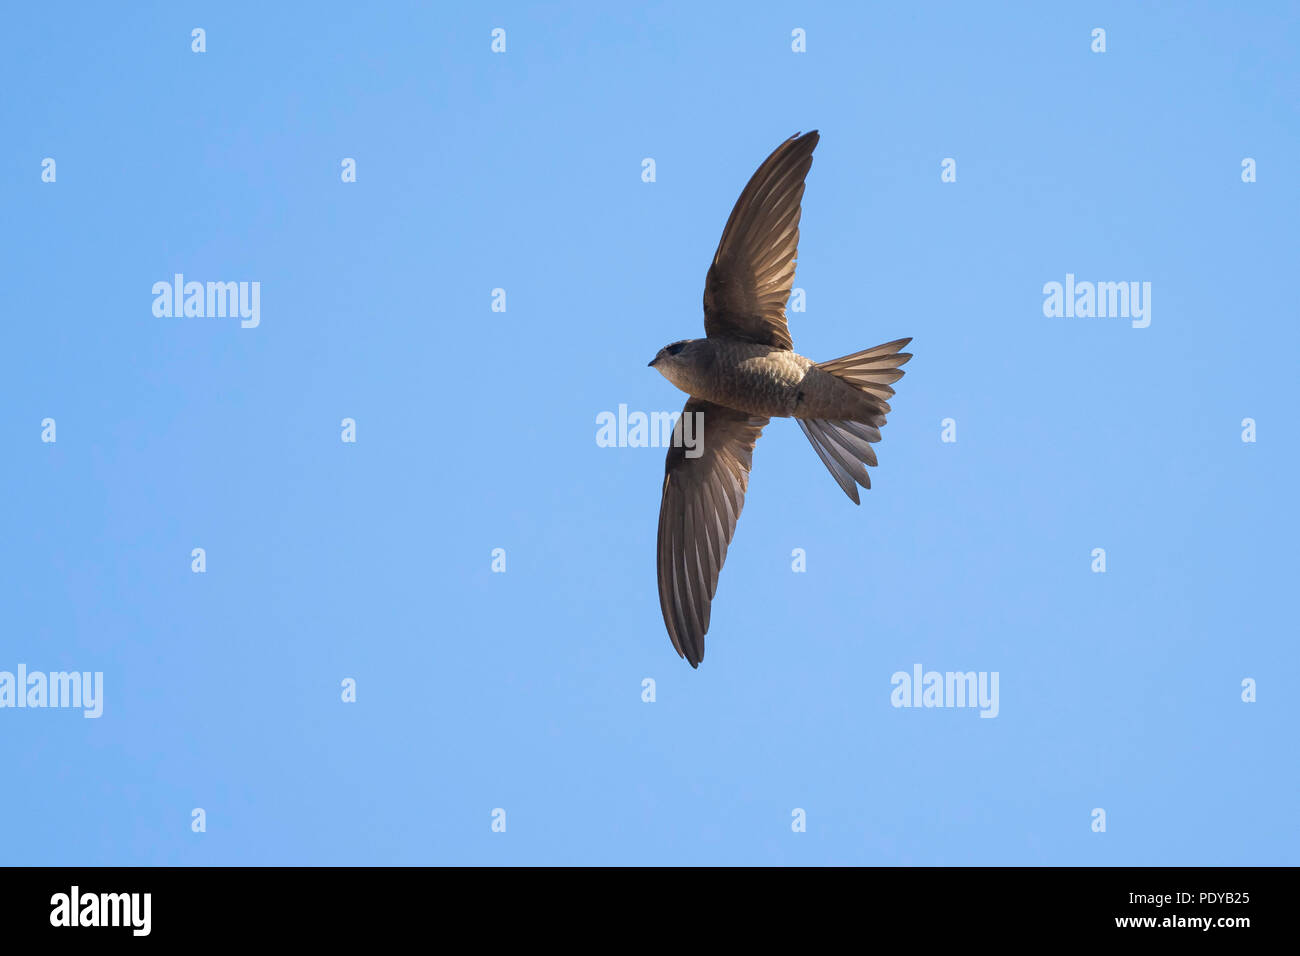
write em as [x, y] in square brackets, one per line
[695, 664]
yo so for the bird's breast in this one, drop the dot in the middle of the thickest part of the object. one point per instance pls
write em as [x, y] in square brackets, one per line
[757, 378]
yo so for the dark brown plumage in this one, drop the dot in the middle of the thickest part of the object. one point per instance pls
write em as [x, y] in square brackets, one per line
[745, 373]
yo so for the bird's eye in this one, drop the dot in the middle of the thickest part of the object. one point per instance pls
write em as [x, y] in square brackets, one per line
[676, 347]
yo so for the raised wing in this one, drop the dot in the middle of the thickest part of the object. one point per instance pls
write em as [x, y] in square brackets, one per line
[749, 281]
[702, 499]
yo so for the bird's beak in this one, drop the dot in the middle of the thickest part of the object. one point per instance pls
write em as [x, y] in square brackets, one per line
[651, 363]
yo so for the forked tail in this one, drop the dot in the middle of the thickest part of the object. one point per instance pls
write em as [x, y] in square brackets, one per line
[844, 445]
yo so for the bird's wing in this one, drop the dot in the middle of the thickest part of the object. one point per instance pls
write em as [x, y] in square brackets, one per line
[702, 499]
[749, 281]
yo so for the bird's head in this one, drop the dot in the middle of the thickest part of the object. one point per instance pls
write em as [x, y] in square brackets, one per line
[670, 355]
[675, 363]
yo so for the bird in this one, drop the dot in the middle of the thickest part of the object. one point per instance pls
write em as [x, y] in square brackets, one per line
[744, 373]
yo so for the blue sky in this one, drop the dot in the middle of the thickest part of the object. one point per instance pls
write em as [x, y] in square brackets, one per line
[476, 430]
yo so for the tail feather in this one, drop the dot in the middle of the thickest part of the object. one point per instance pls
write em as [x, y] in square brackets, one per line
[872, 370]
[837, 462]
[844, 446]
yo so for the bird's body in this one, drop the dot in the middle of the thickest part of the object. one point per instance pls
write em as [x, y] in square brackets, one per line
[744, 373]
[764, 381]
